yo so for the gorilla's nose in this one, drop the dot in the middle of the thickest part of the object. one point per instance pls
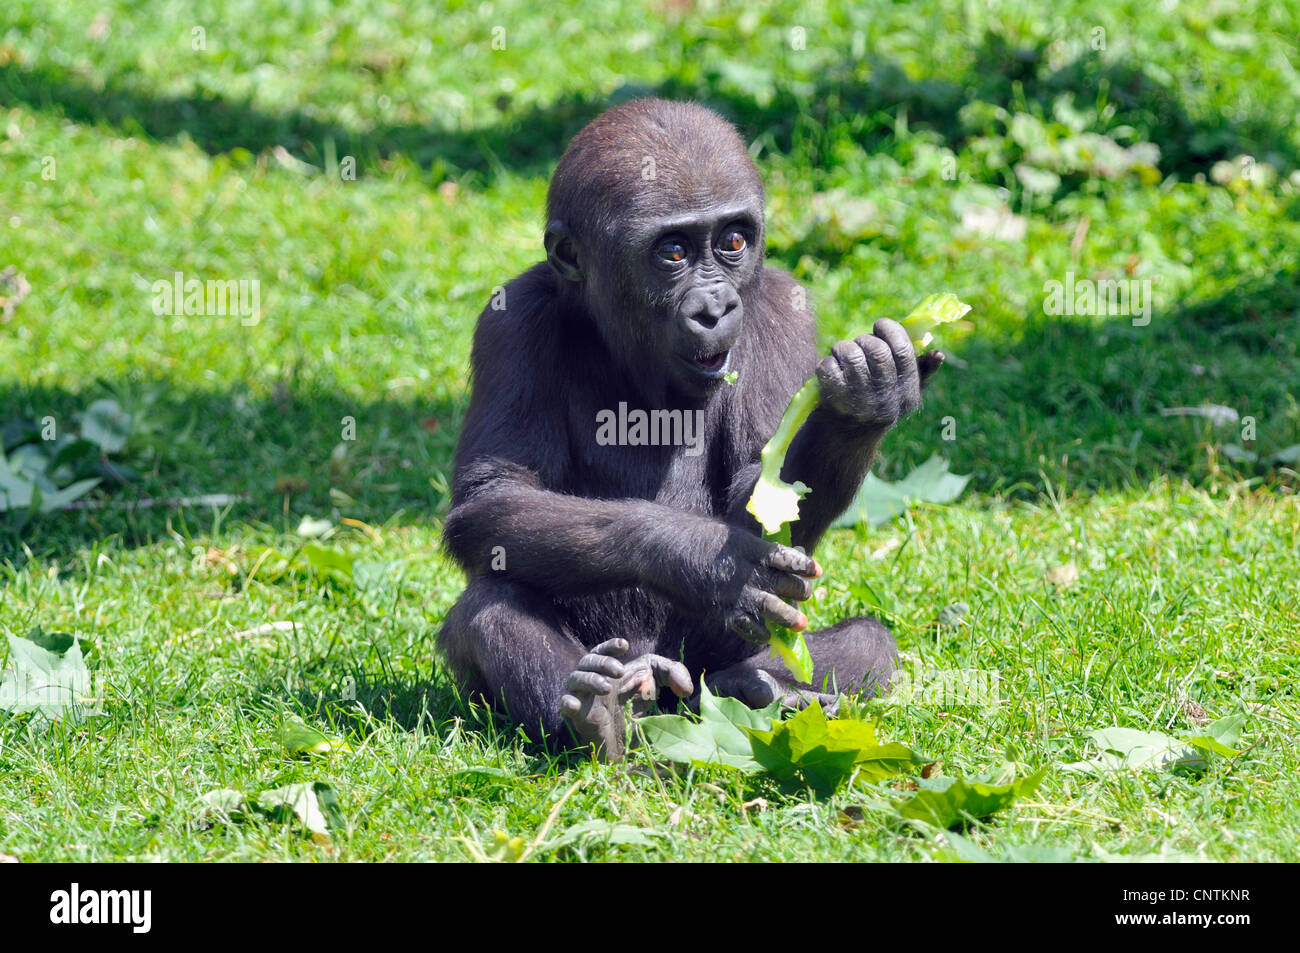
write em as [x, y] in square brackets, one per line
[708, 306]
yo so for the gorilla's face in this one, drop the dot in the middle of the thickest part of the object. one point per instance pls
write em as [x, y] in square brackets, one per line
[656, 222]
[669, 294]
[692, 269]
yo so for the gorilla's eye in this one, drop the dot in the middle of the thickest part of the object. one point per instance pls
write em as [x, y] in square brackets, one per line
[732, 241]
[671, 251]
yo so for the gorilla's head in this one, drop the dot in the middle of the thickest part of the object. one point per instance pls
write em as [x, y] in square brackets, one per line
[655, 221]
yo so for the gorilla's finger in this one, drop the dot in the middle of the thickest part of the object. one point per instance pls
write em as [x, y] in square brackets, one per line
[672, 675]
[852, 360]
[615, 647]
[831, 378]
[639, 683]
[781, 612]
[788, 559]
[788, 585]
[880, 358]
[928, 363]
[570, 705]
[900, 345]
[892, 333]
[748, 626]
[589, 683]
[602, 665]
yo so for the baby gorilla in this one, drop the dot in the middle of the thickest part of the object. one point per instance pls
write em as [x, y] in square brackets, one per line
[609, 563]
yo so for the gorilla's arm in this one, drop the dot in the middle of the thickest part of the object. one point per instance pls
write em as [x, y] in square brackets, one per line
[508, 522]
[508, 525]
[867, 385]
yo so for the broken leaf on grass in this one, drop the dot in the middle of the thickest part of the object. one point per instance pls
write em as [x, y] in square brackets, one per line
[105, 423]
[224, 802]
[22, 488]
[717, 738]
[878, 502]
[967, 851]
[824, 753]
[312, 802]
[604, 832]
[945, 802]
[806, 748]
[1128, 749]
[50, 683]
[300, 738]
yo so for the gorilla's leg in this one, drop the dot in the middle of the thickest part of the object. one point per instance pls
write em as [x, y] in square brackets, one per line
[855, 657]
[506, 642]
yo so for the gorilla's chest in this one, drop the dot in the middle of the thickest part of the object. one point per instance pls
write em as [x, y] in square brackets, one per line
[625, 451]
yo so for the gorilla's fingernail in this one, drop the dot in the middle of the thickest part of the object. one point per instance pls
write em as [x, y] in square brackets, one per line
[801, 623]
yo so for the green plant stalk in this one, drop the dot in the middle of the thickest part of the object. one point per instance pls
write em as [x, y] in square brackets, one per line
[775, 504]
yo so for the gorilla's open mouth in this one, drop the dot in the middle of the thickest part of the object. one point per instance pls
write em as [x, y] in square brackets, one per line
[712, 363]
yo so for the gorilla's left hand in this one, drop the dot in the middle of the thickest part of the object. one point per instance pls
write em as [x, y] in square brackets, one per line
[876, 379]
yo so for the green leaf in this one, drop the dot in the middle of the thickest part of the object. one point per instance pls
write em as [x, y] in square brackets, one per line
[15, 489]
[56, 642]
[941, 308]
[945, 802]
[39, 680]
[967, 851]
[719, 737]
[300, 738]
[775, 502]
[223, 801]
[878, 502]
[58, 499]
[824, 753]
[604, 832]
[676, 738]
[106, 424]
[1128, 749]
[1227, 730]
[1286, 457]
[1220, 736]
[77, 453]
[792, 649]
[329, 561]
[314, 803]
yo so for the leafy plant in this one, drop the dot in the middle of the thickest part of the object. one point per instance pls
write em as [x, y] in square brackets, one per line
[824, 753]
[947, 802]
[313, 803]
[47, 675]
[775, 503]
[877, 502]
[41, 472]
[1128, 749]
[806, 748]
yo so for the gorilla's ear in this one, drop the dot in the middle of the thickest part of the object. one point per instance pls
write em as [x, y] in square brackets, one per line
[561, 251]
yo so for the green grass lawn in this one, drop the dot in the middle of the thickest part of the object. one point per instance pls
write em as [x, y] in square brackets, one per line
[1115, 142]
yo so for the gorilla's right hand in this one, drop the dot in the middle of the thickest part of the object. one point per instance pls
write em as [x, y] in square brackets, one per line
[739, 578]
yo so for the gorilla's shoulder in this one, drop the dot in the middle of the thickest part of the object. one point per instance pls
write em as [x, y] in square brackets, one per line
[785, 313]
[519, 315]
